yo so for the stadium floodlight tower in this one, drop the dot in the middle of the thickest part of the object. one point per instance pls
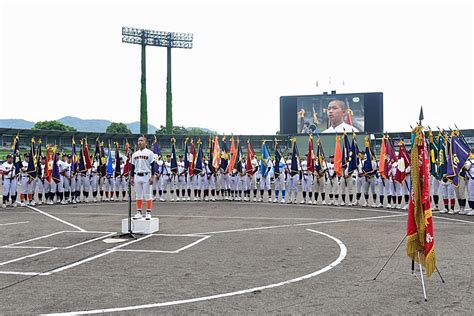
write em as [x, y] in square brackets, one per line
[163, 39]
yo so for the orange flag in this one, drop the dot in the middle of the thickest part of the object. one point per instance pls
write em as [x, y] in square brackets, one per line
[382, 160]
[216, 155]
[338, 157]
[420, 228]
[233, 154]
[48, 166]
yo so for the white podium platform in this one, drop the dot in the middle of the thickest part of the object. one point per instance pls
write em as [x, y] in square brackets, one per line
[142, 226]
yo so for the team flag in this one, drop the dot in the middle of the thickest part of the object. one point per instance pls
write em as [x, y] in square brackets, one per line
[198, 161]
[460, 152]
[433, 147]
[442, 166]
[310, 157]
[367, 166]
[74, 158]
[224, 155]
[233, 154]
[55, 168]
[250, 156]
[216, 153]
[110, 165]
[383, 159]
[294, 158]
[81, 165]
[353, 156]
[403, 163]
[128, 165]
[320, 166]
[338, 157]
[239, 165]
[48, 166]
[31, 169]
[186, 153]
[87, 156]
[191, 158]
[420, 228]
[265, 159]
[346, 151]
[118, 171]
[38, 159]
[276, 168]
[174, 161]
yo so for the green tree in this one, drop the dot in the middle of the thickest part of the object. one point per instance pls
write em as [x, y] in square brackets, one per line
[53, 126]
[118, 128]
[181, 130]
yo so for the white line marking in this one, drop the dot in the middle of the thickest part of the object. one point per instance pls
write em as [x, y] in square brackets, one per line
[33, 239]
[21, 273]
[454, 219]
[107, 252]
[192, 244]
[56, 218]
[342, 255]
[16, 223]
[300, 224]
[88, 241]
[29, 256]
[149, 251]
[130, 242]
[26, 247]
[201, 238]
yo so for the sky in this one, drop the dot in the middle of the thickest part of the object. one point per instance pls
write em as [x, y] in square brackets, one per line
[64, 58]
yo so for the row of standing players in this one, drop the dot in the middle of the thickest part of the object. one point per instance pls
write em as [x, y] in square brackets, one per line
[208, 185]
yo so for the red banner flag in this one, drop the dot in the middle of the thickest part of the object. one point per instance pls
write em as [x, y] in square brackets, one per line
[383, 159]
[250, 157]
[420, 228]
[403, 163]
[48, 166]
[87, 156]
[233, 154]
[191, 158]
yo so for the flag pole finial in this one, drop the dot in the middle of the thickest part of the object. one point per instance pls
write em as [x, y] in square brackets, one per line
[421, 118]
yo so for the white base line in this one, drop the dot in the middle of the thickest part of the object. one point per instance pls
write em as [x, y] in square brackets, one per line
[107, 252]
[8, 224]
[454, 219]
[20, 273]
[56, 218]
[342, 255]
[301, 224]
[29, 256]
[32, 239]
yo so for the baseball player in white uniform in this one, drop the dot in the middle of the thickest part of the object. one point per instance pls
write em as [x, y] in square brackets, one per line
[142, 171]
[9, 181]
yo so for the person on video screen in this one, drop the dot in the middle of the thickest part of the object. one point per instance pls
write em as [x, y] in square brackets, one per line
[337, 111]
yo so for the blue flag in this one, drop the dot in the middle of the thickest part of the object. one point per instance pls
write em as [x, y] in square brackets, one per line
[224, 155]
[353, 156]
[459, 154]
[367, 167]
[264, 162]
[276, 166]
[294, 159]
[186, 153]
[198, 164]
[118, 169]
[110, 165]
[174, 162]
[346, 151]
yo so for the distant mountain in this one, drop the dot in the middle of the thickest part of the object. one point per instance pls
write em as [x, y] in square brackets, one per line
[98, 126]
[16, 123]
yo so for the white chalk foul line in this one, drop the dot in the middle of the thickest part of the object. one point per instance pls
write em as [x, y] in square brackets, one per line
[16, 223]
[302, 224]
[28, 256]
[56, 218]
[342, 255]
